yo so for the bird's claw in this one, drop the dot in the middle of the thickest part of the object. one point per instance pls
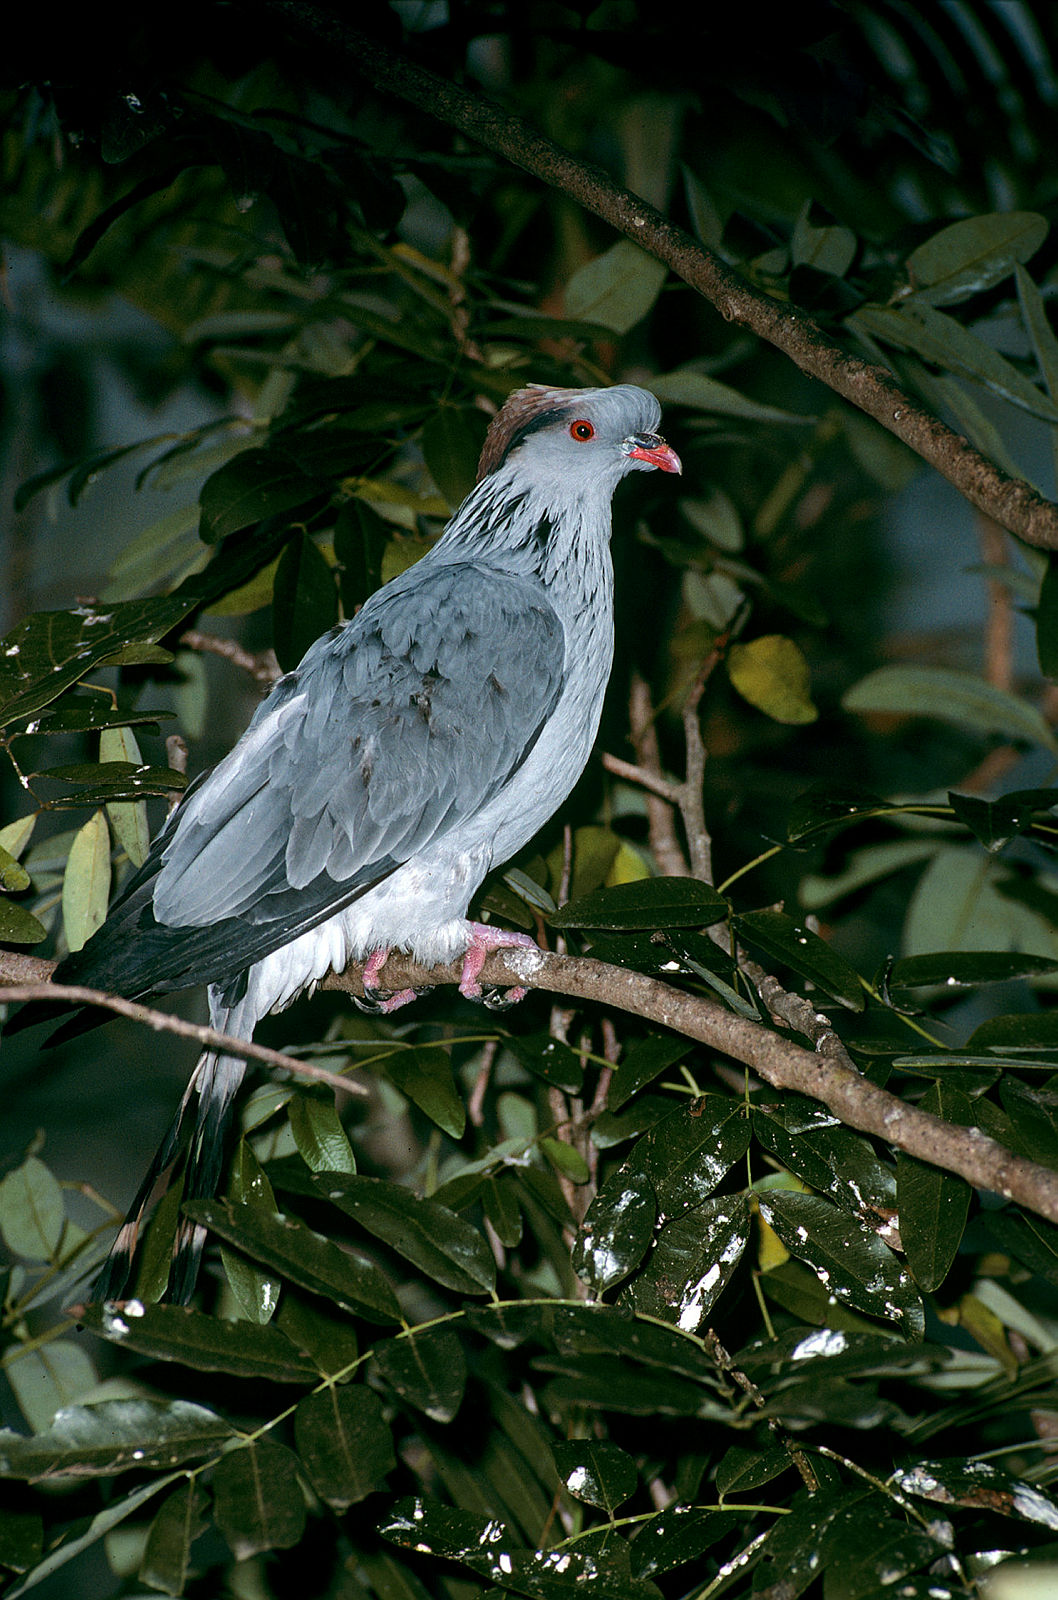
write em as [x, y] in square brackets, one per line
[500, 999]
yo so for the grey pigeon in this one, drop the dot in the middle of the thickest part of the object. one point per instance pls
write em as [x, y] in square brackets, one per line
[415, 747]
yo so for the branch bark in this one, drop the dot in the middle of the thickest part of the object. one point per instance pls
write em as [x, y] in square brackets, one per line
[1011, 502]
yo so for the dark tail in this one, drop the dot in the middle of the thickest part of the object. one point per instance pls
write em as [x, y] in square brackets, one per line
[214, 1082]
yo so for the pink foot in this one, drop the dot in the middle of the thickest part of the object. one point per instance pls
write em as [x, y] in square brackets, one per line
[483, 939]
[393, 1002]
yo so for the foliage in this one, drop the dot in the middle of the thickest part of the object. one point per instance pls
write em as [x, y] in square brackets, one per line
[566, 1305]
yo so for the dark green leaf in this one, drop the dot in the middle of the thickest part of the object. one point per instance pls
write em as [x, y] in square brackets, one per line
[648, 903]
[809, 1141]
[113, 1436]
[255, 484]
[257, 1499]
[784, 940]
[588, 1332]
[50, 650]
[207, 1344]
[602, 1475]
[792, 1553]
[21, 1539]
[167, 1554]
[304, 600]
[996, 822]
[687, 386]
[856, 1268]
[1028, 1238]
[425, 1076]
[696, 953]
[741, 1470]
[1034, 1116]
[825, 808]
[692, 1263]
[811, 1350]
[111, 781]
[616, 1232]
[677, 1535]
[13, 876]
[360, 539]
[933, 1204]
[19, 926]
[965, 969]
[318, 1331]
[646, 1060]
[550, 1059]
[79, 714]
[1022, 1031]
[256, 1291]
[451, 443]
[306, 1258]
[345, 1442]
[970, 256]
[687, 1153]
[89, 1531]
[434, 1239]
[428, 1369]
[1047, 621]
[319, 1135]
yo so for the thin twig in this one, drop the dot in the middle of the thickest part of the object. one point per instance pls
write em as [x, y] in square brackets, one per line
[261, 665]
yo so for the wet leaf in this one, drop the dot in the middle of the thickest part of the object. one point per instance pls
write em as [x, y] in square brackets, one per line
[933, 1204]
[980, 1484]
[86, 882]
[113, 1436]
[677, 1535]
[590, 1332]
[772, 674]
[741, 1470]
[966, 969]
[782, 939]
[687, 1153]
[550, 1059]
[616, 289]
[996, 822]
[849, 1259]
[827, 808]
[306, 1258]
[256, 1291]
[257, 1500]
[648, 903]
[602, 1475]
[692, 1263]
[950, 696]
[617, 1230]
[428, 1369]
[434, 1239]
[206, 1344]
[345, 1442]
[89, 1531]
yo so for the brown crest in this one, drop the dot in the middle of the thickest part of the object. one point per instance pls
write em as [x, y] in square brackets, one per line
[520, 410]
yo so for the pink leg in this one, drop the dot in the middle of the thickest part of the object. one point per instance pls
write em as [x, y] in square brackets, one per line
[372, 967]
[483, 939]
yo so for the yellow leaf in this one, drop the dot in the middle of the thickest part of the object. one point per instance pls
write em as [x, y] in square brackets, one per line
[86, 881]
[772, 674]
[128, 818]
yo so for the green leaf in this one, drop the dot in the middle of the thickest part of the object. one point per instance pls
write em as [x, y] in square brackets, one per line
[50, 650]
[848, 1258]
[111, 782]
[256, 1292]
[19, 926]
[254, 484]
[645, 1061]
[692, 1263]
[617, 1230]
[648, 903]
[318, 1331]
[616, 289]
[127, 818]
[318, 1133]
[86, 882]
[432, 1238]
[1022, 1031]
[933, 1204]
[772, 674]
[13, 877]
[306, 1258]
[32, 1211]
[996, 822]
[166, 1561]
[945, 343]
[950, 696]
[741, 1470]
[1028, 1238]
[206, 1344]
[814, 1145]
[548, 1058]
[425, 1076]
[566, 1160]
[972, 255]
[1047, 621]
[687, 386]
[602, 1475]
[44, 1379]
[783, 939]
[979, 1484]
[360, 539]
[688, 1153]
[590, 1332]
[677, 1535]
[965, 969]
[84, 1534]
[257, 1500]
[113, 1436]
[21, 1539]
[427, 1369]
[451, 444]
[827, 808]
[342, 1437]
[304, 600]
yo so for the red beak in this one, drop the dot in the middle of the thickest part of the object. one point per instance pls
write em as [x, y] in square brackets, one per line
[653, 449]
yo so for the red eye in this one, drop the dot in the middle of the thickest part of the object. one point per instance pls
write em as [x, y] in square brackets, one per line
[582, 429]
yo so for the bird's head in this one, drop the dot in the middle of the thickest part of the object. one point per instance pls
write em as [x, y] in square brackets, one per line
[581, 439]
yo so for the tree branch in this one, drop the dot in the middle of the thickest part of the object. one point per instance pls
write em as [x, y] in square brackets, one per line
[1011, 502]
[778, 1060]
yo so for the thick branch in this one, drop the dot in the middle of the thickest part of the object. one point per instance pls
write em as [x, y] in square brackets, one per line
[778, 1060]
[1009, 501]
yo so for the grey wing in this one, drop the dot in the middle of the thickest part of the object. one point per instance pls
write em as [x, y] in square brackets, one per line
[393, 729]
